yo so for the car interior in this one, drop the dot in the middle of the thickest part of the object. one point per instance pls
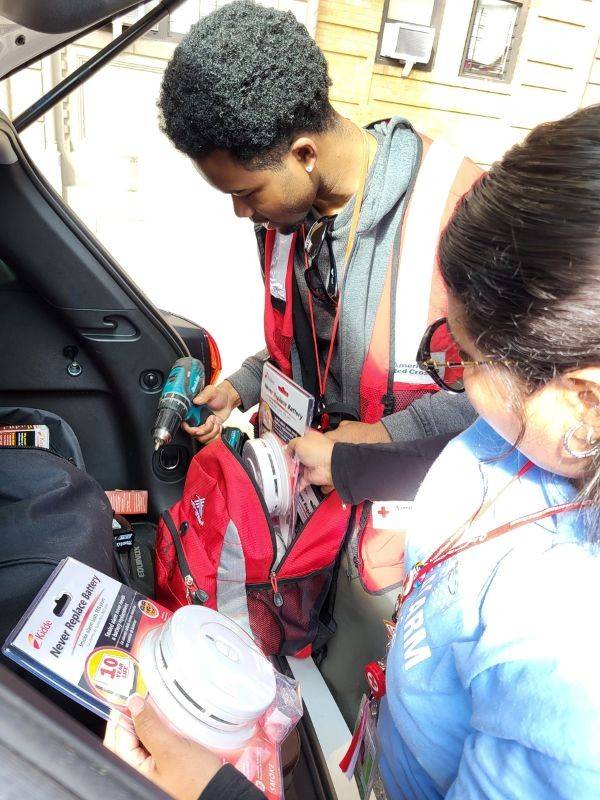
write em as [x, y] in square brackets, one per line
[81, 341]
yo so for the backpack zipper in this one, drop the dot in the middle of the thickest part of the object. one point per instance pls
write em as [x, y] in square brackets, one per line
[277, 596]
[273, 575]
[273, 581]
[194, 594]
[261, 500]
[274, 571]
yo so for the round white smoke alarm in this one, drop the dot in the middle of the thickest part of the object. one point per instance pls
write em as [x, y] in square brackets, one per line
[266, 461]
[208, 677]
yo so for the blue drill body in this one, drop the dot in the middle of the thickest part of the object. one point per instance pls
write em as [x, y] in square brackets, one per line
[185, 381]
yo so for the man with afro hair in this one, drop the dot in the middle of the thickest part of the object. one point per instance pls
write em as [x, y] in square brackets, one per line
[246, 97]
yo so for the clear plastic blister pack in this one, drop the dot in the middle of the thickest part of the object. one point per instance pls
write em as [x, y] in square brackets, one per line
[99, 642]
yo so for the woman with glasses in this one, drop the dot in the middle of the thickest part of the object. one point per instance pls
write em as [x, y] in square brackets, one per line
[492, 674]
[492, 679]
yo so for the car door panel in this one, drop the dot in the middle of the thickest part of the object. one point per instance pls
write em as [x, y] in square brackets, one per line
[60, 288]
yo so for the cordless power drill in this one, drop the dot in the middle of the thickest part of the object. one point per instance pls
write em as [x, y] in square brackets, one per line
[185, 380]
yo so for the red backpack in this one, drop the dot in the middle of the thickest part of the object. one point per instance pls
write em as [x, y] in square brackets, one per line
[216, 546]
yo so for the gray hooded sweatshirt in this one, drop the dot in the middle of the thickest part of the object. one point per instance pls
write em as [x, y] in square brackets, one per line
[361, 283]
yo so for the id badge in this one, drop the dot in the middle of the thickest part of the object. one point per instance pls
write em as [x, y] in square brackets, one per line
[362, 759]
[279, 265]
[368, 778]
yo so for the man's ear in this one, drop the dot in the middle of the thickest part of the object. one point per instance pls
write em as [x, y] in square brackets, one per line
[304, 151]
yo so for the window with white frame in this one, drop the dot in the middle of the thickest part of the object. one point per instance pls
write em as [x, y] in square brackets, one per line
[415, 17]
[493, 39]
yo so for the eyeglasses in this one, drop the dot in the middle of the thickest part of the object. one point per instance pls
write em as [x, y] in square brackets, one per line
[317, 235]
[438, 355]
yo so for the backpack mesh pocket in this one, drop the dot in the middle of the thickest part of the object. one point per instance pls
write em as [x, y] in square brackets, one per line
[288, 628]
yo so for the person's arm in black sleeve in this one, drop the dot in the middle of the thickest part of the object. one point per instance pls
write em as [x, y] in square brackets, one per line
[390, 471]
[230, 784]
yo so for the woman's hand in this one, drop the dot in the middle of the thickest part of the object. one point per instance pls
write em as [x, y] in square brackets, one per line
[313, 451]
[180, 767]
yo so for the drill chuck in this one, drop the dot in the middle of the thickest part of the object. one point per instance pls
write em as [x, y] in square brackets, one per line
[172, 410]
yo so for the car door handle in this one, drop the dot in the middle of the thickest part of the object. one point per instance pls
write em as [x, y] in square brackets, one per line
[114, 327]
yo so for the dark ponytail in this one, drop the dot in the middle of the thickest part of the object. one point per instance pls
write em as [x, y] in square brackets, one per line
[522, 252]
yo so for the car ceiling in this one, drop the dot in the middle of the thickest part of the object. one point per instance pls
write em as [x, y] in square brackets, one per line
[30, 29]
[62, 16]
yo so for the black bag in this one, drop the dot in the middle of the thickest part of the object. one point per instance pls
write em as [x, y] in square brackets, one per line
[134, 544]
[49, 509]
[63, 441]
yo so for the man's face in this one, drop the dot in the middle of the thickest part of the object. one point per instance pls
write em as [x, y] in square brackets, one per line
[280, 198]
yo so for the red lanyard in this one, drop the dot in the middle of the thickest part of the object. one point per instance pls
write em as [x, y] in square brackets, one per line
[449, 549]
[322, 377]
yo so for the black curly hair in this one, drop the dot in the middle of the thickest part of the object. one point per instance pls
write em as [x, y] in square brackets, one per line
[246, 79]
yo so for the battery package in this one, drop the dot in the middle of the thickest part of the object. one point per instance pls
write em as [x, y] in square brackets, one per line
[99, 641]
[25, 436]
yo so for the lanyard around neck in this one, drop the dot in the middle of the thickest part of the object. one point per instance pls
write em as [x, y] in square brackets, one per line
[451, 548]
[322, 377]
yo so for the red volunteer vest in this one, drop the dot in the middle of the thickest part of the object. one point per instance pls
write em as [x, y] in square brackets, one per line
[390, 378]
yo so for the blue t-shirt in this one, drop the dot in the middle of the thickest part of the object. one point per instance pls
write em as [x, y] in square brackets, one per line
[493, 678]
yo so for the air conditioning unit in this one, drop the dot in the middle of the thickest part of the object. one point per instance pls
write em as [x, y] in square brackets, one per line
[409, 43]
